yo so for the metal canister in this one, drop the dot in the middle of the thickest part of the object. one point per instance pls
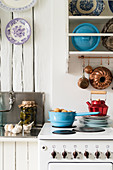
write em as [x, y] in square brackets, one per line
[28, 112]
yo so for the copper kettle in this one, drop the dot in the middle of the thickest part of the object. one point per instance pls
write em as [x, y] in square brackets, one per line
[98, 105]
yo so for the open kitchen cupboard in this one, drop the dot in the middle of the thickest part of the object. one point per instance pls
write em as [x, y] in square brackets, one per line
[99, 22]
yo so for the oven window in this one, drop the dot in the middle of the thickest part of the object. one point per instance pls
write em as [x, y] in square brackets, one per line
[80, 166]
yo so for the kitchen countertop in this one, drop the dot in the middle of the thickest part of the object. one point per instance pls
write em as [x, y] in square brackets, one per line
[8, 136]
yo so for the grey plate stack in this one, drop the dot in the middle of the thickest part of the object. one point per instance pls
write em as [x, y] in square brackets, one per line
[96, 121]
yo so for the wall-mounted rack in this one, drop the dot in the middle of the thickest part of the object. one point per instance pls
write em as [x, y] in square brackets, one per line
[82, 57]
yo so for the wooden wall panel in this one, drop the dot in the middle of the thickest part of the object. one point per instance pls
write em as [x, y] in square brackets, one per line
[6, 54]
[1, 156]
[43, 50]
[27, 67]
[42, 27]
[21, 156]
[33, 155]
[28, 56]
[23, 58]
[17, 62]
[9, 156]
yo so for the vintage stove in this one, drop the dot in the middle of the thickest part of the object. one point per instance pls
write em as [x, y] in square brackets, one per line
[79, 150]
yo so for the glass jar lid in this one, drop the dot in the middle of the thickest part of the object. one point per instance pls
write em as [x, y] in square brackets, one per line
[27, 104]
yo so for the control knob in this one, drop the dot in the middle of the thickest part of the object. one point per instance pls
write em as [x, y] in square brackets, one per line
[97, 154]
[107, 154]
[86, 154]
[53, 154]
[64, 154]
[75, 154]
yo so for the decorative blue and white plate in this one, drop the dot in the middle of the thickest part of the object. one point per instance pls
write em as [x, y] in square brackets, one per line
[86, 7]
[17, 5]
[18, 31]
[110, 2]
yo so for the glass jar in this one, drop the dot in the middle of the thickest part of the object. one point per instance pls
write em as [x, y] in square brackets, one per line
[28, 112]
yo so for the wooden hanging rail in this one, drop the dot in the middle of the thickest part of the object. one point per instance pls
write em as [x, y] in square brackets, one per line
[82, 57]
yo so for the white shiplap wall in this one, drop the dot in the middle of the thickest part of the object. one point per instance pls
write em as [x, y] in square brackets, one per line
[16, 155]
[16, 60]
[27, 67]
[40, 64]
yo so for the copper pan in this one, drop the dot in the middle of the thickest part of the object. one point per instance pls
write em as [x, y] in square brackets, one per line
[83, 82]
[100, 78]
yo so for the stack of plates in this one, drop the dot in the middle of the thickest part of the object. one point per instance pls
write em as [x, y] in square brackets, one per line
[107, 42]
[96, 121]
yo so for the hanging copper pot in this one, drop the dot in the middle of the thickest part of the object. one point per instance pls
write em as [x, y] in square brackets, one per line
[83, 82]
[100, 78]
[88, 69]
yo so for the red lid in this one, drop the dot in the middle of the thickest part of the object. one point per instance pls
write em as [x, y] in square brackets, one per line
[98, 102]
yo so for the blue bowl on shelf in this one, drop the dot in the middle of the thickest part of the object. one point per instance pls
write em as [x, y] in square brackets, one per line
[85, 43]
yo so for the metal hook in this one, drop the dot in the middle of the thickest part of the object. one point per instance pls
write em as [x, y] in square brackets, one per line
[101, 61]
[83, 62]
[108, 60]
[88, 61]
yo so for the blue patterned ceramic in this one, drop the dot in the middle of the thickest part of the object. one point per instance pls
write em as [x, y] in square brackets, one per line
[85, 43]
[86, 7]
[110, 2]
[107, 42]
[17, 5]
[18, 31]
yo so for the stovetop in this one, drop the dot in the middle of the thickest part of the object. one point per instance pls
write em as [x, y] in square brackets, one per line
[46, 133]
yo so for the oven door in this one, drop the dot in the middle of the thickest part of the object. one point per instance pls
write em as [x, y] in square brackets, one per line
[80, 166]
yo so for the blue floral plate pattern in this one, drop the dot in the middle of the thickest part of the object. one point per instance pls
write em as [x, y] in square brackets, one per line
[17, 5]
[86, 7]
[18, 31]
[110, 2]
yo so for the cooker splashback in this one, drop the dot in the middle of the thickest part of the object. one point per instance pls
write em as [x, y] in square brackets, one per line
[13, 116]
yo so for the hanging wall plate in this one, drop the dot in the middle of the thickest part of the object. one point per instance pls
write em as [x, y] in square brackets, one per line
[110, 2]
[17, 5]
[18, 31]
